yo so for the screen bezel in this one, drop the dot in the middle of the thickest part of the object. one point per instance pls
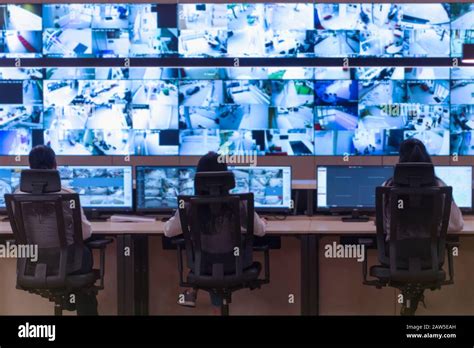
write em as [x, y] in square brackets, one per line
[172, 209]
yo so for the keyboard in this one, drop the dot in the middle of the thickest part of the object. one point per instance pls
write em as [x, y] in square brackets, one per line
[131, 218]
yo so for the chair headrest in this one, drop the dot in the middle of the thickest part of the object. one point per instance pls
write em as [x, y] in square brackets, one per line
[414, 174]
[214, 183]
[40, 181]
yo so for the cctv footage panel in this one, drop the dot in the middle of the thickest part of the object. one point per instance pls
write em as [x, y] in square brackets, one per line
[9, 181]
[21, 109]
[381, 107]
[100, 187]
[109, 30]
[103, 111]
[158, 187]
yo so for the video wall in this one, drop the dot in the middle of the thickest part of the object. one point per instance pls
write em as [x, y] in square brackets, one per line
[267, 110]
[235, 29]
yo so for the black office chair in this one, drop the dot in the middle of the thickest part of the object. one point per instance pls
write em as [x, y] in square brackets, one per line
[411, 250]
[42, 218]
[219, 255]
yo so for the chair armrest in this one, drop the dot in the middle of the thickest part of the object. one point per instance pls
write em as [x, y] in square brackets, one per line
[261, 248]
[450, 244]
[178, 241]
[99, 243]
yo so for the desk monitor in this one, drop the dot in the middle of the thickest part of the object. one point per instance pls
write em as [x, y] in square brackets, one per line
[460, 179]
[343, 188]
[100, 188]
[9, 181]
[349, 188]
[158, 187]
[104, 188]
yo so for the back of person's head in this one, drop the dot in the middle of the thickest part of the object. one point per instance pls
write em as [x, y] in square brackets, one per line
[413, 150]
[209, 163]
[212, 218]
[42, 157]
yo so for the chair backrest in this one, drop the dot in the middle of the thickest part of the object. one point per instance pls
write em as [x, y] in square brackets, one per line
[212, 227]
[412, 222]
[42, 217]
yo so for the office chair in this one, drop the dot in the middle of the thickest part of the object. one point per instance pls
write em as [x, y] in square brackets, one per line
[41, 218]
[411, 249]
[219, 255]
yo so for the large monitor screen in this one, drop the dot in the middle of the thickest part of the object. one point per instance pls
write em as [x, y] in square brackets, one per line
[158, 187]
[263, 109]
[104, 187]
[235, 30]
[349, 187]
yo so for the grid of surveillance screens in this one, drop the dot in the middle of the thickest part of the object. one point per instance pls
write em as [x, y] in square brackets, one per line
[235, 29]
[98, 187]
[294, 111]
[348, 187]
[158, 187]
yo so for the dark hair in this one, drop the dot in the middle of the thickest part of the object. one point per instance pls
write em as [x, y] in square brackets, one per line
[210, 163]
[210, 218]
[42, 157]
[413, 150]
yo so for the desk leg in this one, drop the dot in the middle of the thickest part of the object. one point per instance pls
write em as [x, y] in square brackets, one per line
[125, 275]
[132, 275]
[309, 274]
[142, 275]
[295, 205]
[309, 202]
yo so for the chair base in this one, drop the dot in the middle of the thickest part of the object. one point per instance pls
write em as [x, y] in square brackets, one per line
[412, 296]
[60, 298]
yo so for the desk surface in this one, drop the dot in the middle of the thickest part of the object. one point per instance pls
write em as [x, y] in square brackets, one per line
[293, 225]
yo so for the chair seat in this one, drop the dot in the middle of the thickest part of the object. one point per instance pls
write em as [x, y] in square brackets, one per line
[250, 274]
[81, 280]
[383, 273]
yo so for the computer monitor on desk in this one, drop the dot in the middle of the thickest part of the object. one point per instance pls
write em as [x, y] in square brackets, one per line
[460, 179]
[101, 189]
[352, 188]
[9, 181]
[158, 187]
[343, 189]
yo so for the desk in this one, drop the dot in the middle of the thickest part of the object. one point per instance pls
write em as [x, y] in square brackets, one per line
[132, 253]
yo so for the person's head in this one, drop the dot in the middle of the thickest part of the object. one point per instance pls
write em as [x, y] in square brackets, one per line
[413, 150]
[210, 163]
[42, 157]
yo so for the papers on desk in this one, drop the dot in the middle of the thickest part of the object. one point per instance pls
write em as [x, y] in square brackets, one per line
[131, 218]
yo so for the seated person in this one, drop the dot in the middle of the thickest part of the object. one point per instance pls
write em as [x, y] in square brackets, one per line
[210, 163]
[413, 150]
[43, 157]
